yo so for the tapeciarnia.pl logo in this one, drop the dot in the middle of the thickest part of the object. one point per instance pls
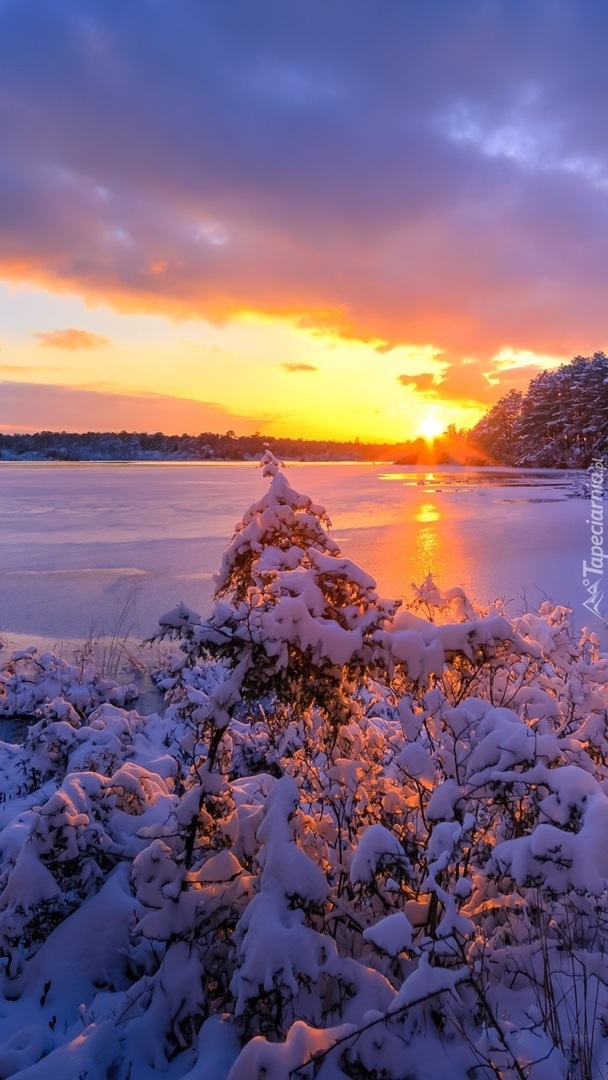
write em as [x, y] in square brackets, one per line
[593, 571]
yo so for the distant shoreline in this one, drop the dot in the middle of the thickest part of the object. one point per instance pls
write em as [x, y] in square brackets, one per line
[32, 459]
[213, 446]
[454, 447]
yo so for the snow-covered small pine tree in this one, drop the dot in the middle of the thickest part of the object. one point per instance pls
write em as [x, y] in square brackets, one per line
[295, 624]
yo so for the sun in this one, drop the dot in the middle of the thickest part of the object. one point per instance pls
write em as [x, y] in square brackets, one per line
[430, 427]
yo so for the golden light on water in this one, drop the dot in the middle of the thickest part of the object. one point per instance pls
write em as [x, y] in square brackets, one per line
[430, 555]
[427, 512]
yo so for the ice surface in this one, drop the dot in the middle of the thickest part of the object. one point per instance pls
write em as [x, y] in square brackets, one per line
[78, 541]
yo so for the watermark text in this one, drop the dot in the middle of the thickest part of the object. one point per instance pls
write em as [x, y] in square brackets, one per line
[593, 568]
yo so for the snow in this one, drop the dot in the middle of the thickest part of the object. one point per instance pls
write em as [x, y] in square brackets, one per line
[426, 982]
[92, 1055]
[261, 1062]
[376, 847]
[347, 844]
[393, 934]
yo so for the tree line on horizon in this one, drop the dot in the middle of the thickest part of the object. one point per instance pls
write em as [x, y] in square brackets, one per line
[207, 446]
[560, 421]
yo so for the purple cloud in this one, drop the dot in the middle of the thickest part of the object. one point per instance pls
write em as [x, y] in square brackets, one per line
[437, 174]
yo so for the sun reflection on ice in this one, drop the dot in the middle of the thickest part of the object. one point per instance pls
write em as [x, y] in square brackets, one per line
[421, 535]
[427, 512]
[430, 556]
[429, 540]
[435, 546]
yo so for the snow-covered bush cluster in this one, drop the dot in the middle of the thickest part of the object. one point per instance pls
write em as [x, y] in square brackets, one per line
[359, 842]
[36, 685]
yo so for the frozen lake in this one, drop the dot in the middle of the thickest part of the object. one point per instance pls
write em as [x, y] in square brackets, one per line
[80, 541]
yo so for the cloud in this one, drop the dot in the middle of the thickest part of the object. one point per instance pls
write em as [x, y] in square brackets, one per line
[473, 381]
[34, 407]
[294, 366]
[211, 350]
[482, 382]
[424, 382]
[438, 174]
[23, 369]
[71, 339]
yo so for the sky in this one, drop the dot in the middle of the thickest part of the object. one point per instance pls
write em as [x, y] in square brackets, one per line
[335, 218]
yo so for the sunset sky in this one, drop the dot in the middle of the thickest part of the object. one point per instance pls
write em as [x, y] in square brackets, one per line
[331, 218]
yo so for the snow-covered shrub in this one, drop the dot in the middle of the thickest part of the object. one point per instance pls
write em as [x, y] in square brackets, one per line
[294, 624]
[30, 682]
[357, 843]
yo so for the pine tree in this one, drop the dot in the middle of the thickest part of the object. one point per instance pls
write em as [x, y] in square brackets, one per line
[561, 421]
[495, 431]
[294, 622]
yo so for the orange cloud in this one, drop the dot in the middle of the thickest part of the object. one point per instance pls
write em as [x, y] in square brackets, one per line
[477, 382]
[295, 366]
[71, 339]
[424, 382]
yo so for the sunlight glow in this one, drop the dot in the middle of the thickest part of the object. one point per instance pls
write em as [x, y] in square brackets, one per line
[246, 374]
[430, 427]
